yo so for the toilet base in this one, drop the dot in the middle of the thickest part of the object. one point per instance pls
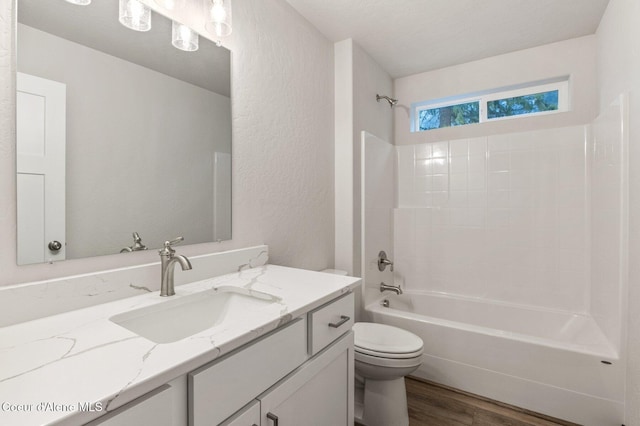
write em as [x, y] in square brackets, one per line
[358, 406]
[385, 403]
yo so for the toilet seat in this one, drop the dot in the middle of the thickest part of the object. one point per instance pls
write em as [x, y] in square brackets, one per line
[389, 355]
[388, 362]
[385, 341]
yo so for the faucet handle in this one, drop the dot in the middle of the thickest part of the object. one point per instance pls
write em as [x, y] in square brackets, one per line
[383, 261]
[168, 250]
[177, 240]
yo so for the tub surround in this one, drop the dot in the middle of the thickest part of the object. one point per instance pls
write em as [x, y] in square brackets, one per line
[510, 250]
[82, 357]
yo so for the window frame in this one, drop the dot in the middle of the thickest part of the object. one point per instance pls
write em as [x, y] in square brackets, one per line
[561, 85]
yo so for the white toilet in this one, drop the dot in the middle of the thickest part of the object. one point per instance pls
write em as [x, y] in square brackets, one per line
[383, 356]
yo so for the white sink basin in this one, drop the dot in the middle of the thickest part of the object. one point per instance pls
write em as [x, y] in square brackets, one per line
[181, 317]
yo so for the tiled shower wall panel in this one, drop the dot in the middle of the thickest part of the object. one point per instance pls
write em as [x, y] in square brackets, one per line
[501, 217]
[378, 180]
[607, 221]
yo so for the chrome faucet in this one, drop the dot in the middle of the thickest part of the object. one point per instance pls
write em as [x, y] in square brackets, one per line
[168, 259]
[383, 262]
[137, 244]
[395, 288]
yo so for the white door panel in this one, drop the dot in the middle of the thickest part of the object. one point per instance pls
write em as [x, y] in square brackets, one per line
[41, 140]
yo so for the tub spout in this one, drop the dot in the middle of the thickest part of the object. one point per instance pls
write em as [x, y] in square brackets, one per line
[395, 288]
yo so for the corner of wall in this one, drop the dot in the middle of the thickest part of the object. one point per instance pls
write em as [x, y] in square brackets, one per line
[343, 154]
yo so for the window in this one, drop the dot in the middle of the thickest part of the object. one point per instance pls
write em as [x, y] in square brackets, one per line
[499, 104]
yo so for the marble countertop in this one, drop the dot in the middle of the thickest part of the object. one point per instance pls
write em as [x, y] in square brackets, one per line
[51, 366]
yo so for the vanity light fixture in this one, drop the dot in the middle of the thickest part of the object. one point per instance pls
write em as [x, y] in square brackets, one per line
[183, 37]
[218, 14]
[135, 15]
[79, 2]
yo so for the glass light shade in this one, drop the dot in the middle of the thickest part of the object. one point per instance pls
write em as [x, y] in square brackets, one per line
[218, 14]
[183, 37]
[170, 4]
[135, 15]
[79, 2]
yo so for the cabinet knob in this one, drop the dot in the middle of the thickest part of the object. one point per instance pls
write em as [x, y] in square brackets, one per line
[273, 417]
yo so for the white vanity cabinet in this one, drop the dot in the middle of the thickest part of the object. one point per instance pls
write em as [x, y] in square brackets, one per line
[319, 393]
[299, 374]
[248, 416]
[219, 389]
[154, 408]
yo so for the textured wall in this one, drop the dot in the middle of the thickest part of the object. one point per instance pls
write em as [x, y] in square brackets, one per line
[619, 71]
[358, 79]
[282, 144]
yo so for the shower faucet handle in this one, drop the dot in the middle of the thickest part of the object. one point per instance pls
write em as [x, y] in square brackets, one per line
[383, 262]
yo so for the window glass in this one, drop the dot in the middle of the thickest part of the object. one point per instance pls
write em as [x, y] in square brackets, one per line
[450, 115]
[526, 104]
[544, 97]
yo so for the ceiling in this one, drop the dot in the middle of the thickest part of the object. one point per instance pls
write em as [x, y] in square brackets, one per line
[411, 36]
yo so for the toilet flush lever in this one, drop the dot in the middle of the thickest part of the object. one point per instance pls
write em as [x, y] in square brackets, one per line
[383, 261]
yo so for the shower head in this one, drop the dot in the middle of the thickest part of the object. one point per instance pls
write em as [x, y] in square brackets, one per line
[392, 102]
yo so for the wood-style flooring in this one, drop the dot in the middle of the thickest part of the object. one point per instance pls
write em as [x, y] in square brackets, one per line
[431, 404]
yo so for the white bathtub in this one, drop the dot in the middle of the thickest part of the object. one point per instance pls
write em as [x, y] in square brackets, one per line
[546, 361]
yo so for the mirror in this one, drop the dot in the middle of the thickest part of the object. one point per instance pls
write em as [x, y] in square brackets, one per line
[118, 132]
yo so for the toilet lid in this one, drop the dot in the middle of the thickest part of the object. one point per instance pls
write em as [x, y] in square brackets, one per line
[373, 338]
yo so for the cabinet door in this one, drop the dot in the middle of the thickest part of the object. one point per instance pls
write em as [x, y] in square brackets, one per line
[319, 393]
[154, 408]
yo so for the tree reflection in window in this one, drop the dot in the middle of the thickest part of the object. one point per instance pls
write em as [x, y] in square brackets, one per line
[449, 116]
[519, 105]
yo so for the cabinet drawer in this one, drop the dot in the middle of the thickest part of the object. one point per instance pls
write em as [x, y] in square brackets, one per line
[329, 322]
[154, 408]
[221, 388]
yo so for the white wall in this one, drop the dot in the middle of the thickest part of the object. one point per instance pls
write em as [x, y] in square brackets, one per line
[618, 72]
[358, 79]
[117, 169]
[502, 217]
[344, 158]
[576, 57]
[282, 109]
